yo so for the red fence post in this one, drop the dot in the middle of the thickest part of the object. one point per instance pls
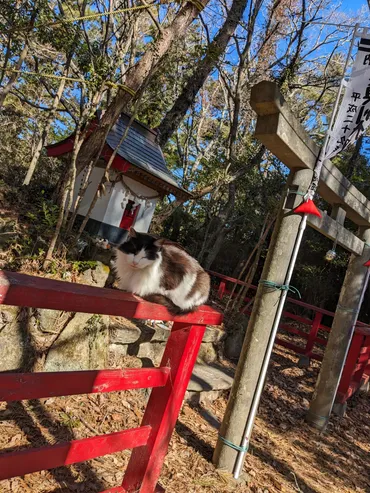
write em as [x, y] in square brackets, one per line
[344, 388]
[163, 407]
[304, 360]
[221, 290]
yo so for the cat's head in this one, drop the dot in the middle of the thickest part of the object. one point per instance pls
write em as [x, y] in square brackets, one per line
[140, 250]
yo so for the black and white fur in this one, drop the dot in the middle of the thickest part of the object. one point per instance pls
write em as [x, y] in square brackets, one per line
[161, 272]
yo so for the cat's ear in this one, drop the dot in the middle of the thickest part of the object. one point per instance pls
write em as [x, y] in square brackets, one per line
[160, 242]
[132, 233]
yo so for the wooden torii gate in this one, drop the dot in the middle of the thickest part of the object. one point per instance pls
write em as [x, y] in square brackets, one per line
[281, 133]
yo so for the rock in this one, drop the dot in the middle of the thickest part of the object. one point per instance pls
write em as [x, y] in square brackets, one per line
[158, 333]
[49, 320]
[209, 378]
[13, 340]
[7, 314]
[203, 398]
[151, 350]
[71, 352]
[97, 276]
[82, 345]
[98, 342]
[122, 331]
[233, 345]
[120, 349]
[207, 353]
[213, 334]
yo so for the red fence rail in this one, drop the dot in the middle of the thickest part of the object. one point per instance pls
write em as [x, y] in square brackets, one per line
[357, 368]
[169, 382]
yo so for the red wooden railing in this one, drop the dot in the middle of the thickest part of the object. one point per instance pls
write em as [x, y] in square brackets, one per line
[357, 368]
[169, 381]
[356, 371]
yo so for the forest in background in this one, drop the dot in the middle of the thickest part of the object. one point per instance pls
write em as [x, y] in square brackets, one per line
[190, 67]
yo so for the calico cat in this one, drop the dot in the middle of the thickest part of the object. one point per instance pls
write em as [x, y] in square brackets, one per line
[161, 272]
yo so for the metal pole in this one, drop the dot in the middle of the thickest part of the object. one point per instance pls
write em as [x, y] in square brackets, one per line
[266, 361]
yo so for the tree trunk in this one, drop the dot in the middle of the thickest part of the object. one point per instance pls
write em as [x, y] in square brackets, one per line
[6, 90]
[42, 140]
[216, 48]
[217, 237]
[137, 78]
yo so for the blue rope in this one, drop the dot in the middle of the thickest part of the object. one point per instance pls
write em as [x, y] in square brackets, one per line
[232, 445]
[282, 287]
[296, 192]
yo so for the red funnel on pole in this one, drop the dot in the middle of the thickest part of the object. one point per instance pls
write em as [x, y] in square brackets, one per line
[367, 264]
[308, 207]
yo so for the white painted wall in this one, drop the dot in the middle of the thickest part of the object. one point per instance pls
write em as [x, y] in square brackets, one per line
[101, 204]
[109, 208]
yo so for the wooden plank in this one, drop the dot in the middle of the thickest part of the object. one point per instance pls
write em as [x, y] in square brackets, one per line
[279, 130]
[163, 407]
[19, 386]
[39, 292]
[335, 231]
[27, 461]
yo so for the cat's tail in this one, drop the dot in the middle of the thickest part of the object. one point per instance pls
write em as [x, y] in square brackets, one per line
[160, 299]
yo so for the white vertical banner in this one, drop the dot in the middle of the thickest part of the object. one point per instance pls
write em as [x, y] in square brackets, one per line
[354, 113]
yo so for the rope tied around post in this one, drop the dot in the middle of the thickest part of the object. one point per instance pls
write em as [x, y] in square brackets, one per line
[296, 192]
[232, 445]
[282, 287]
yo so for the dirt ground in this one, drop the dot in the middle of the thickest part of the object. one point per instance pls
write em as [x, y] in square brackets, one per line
[286, 454]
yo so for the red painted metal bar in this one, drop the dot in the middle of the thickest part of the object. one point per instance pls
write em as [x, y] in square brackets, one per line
[28, 461]
[38, 292]
[19, 386]
[163, 407]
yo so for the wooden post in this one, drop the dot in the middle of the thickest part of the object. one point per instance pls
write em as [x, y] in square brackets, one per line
[260, 324]
[339, 338]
